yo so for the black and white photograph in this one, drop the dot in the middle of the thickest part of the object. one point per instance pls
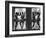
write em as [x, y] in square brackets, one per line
[24, 18]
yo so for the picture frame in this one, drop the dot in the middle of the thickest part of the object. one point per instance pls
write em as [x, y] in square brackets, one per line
[12, 6]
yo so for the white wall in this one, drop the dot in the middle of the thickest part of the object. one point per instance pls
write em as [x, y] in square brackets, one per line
[2, 19]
